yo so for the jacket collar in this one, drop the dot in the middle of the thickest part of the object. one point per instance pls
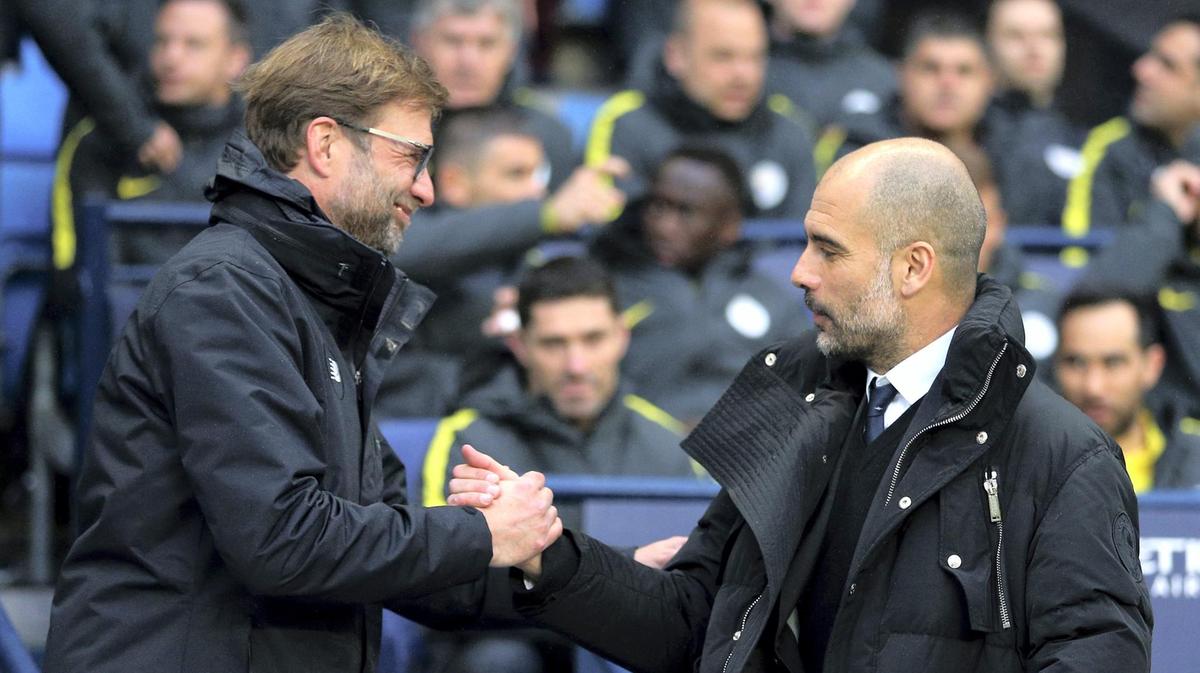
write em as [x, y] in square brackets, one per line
[337, 270]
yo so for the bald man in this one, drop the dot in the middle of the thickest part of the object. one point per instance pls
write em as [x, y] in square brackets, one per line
[899, 492]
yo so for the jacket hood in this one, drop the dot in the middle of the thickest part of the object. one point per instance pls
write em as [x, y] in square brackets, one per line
[668, 96]
[991, 330]
[343, 274]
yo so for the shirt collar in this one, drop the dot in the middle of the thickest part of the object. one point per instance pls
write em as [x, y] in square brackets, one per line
[914, 375]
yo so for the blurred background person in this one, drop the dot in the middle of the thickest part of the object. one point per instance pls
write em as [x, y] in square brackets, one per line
[199, 48]
[1028, 49]
[824, 65]
[473, 46]
[1163, 124]
[493, 207]
[695, 303]
[946, 88]
[709, 87]
[560, 407]
[1108, 363]
[1160, 257]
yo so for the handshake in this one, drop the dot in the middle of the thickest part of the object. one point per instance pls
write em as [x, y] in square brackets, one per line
[521, 515]
[519, 509]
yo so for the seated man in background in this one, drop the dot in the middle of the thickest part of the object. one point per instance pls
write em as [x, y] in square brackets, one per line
[824, 65]
[564, 407]
[472, 46]
[200, 47]
[1113, 188]
[492, 209]
[709, 87]
[1025, 38]
[1166, 240]
[696, 306]
[946, 86]
[1109, 361]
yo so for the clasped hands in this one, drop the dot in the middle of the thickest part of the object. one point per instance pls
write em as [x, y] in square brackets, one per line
[521, 515]
[519, 509]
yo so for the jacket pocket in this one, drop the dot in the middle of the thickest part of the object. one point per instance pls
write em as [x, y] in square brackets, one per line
[971, 549]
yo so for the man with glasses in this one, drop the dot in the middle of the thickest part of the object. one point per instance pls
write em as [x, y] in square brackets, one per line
[696, 306]
[239, 509]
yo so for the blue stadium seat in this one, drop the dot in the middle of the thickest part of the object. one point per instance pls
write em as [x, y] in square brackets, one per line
[576, 109]
[32, 99]
[31, 103]
[410, 439]
[14, 657]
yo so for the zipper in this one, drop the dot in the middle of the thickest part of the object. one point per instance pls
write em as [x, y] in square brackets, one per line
[987, 382]
[737, 635]
[991, 486]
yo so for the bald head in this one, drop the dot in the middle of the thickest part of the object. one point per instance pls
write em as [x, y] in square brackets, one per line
[914, 189]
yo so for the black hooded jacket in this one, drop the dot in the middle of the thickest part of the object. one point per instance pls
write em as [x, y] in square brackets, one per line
[1045, 576]
[239, 510]
[772, 146]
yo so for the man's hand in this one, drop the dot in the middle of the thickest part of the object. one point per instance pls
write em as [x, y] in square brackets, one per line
[1178, 185]
[476, 483]
[658, 554]
[523, 521]
[503, 321]
[587, 197]
[163, 150]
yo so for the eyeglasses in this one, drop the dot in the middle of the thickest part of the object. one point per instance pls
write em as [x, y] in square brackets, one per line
[425, 151]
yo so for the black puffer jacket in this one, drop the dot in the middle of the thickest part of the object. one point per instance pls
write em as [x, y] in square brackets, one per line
[937, 583]
[239, 510]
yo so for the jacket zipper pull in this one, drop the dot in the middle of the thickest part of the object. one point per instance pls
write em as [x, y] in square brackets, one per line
[990, 485]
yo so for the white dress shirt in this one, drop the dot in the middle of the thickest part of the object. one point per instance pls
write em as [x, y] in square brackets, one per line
[913, 376]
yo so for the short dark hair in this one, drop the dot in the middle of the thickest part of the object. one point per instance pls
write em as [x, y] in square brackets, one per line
[239, 33]
[941, 25]
[1092, 295]
[719, 159]
[463, 133]
[564, 278]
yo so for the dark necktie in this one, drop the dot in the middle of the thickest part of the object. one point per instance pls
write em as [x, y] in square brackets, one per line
[878, 400]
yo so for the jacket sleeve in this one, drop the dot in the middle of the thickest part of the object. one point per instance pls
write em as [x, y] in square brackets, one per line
[1088, 608]
[1157, 241]
[654, 620]
[440, 247]
[67, 36]
[251, 444]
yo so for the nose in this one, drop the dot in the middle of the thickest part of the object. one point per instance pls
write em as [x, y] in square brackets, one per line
[422, 189]
[576, 360]
[802, 275]
[1141, 68]
[1094, 382]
